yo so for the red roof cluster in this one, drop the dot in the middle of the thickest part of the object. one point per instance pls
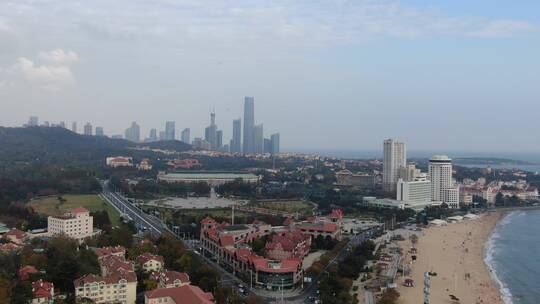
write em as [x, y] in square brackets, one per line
[112, 263]
[187, 294]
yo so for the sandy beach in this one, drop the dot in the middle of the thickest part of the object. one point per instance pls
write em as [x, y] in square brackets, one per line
[456, 253]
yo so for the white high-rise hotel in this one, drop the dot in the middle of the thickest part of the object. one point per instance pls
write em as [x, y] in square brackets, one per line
[442, 185]
[395, 157]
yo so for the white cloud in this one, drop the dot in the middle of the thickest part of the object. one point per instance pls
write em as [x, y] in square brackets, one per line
[59, 57]
[53, 75]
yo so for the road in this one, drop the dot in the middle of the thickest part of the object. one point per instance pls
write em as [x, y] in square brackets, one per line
[144, 222]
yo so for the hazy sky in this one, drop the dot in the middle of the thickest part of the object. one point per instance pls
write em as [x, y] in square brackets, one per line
[455, 74]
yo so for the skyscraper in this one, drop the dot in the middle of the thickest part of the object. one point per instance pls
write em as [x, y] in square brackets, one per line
[219, 139]
[62, 124]
[169, 130]
[236, 142]
[259, 138]
[153, 135]
[33, 121]
[267, 145]
[395, 157]
[442, 185]
[210, 133]
[99, 131]
[274, 142]
[249, 125]
[133, 133]
[74, 127]
[186, 135]
[88, 129]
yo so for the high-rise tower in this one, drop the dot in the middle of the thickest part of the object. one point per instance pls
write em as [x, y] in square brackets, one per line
[395, 157]
[249, 125]
[236, 142]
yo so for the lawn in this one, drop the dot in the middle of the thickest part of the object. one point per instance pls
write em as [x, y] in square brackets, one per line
[52, 206]
[302, 207]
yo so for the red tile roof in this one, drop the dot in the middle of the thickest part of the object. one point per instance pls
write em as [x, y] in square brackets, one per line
[113, 263]
[187, 294]
[121, 274]
[42, 289]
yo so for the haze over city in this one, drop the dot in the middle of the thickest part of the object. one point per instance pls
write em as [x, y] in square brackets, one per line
[442, 75]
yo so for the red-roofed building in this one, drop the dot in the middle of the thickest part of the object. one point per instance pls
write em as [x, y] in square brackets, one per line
[170, 279]
[187, 294]
[228, 243]
[43, 292]
[149, 262]
[16, 236]
[111, 263]
[119, 161]
[26, 271]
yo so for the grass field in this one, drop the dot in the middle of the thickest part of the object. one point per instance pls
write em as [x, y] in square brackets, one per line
[288, 206]
[52, 206]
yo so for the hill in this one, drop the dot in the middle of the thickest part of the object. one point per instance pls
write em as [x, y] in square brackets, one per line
[54, 145]
[175, 145]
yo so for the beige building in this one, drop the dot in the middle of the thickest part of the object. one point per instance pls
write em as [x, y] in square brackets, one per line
[77, 224]
[117, 282]
[121, 287]
[187, 294]
[149, 262]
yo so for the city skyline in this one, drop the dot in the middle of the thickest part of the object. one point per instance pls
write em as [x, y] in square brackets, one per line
[343, 67]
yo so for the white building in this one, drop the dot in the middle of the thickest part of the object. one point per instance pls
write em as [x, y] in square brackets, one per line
[415, 194]
[409, 173]
[395, 157]
[442, 185]
[77, 224]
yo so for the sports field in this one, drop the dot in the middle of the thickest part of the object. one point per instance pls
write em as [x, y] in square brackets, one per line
[53, 206]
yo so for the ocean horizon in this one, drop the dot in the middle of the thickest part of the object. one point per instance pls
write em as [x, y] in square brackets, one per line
[511, 254]
[533, 157]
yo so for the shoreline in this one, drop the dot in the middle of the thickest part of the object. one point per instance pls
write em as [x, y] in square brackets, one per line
[506, 295]
[458, 254]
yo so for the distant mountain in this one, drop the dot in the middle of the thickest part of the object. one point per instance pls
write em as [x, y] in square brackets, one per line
[490, 161]
[59, 145]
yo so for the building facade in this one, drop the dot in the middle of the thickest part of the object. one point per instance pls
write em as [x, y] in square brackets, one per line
[77, 224]
[442, 184]
[186, 137]
[395, 157]
[236, 141]
[415, 194]
[249, 125]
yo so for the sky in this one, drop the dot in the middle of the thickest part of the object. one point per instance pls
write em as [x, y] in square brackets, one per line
[440, 75]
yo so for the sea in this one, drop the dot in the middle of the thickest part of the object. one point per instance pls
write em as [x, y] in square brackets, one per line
[513, 257]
